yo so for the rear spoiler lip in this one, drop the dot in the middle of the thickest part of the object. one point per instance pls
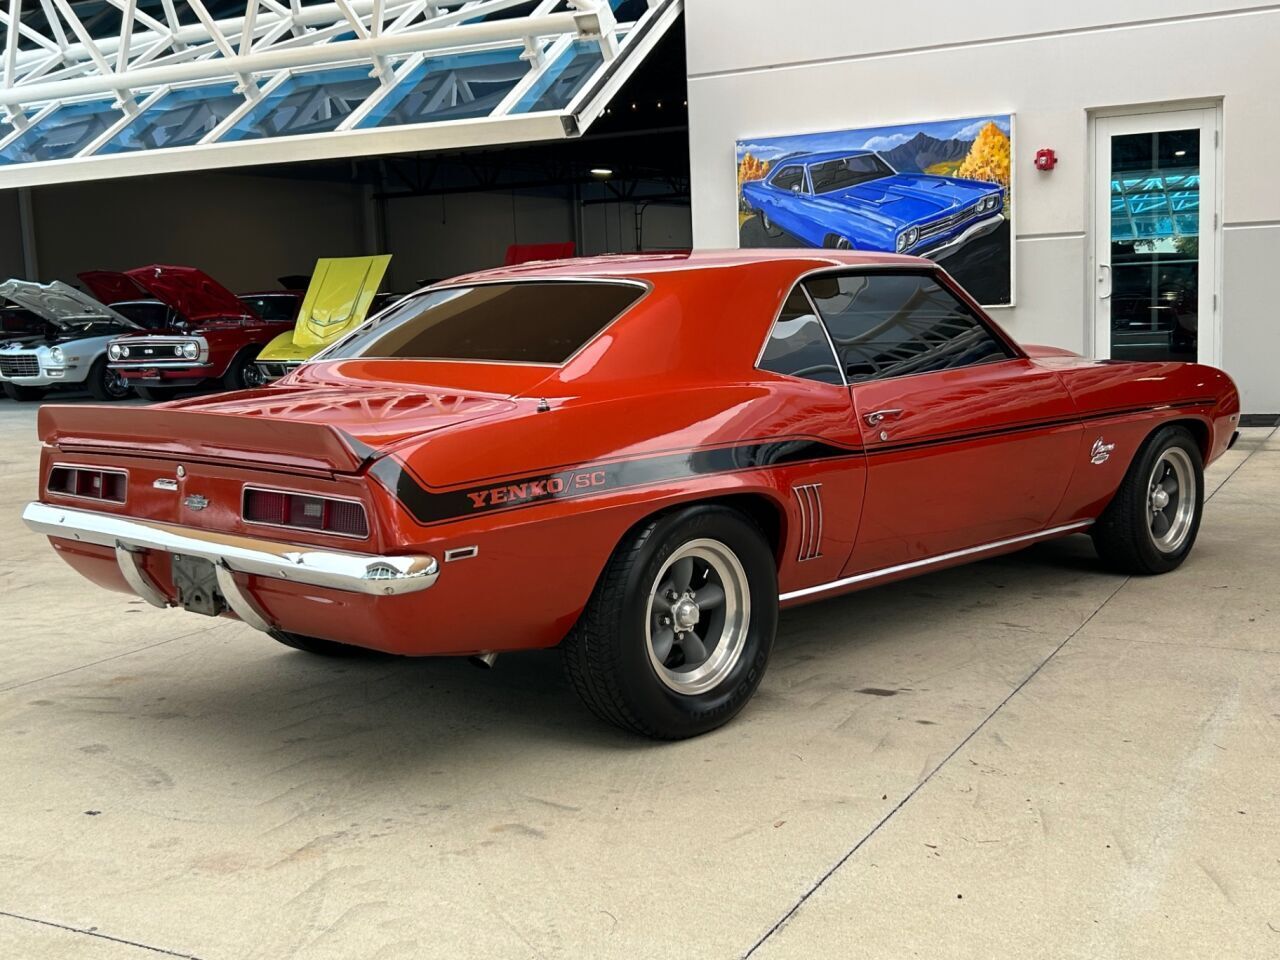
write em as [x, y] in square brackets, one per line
[168, 434]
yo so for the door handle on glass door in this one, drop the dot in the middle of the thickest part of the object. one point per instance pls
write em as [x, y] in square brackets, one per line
[877, 417]
[1104, 281]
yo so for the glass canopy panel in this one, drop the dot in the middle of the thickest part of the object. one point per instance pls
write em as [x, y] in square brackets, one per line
[450, 88]
[563, 79]
[64, 132]
[180, 118]
[313, 102]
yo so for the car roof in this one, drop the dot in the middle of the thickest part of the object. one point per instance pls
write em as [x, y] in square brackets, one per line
[810, 158]
[642, 266]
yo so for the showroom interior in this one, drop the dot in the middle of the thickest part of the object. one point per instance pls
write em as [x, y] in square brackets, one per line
[1037, 753]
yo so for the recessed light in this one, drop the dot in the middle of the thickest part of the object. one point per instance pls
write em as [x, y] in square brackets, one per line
[1179, 153]
[604, 173]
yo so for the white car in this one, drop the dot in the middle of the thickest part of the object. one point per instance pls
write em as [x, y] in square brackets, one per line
[73, 356]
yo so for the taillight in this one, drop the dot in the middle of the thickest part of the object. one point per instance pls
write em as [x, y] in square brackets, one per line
[305, 511]
[90, 483]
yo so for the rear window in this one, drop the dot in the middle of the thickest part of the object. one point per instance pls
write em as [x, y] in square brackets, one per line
[521, 322]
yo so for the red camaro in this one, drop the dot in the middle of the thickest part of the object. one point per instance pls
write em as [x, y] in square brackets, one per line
[211, 334]
[639, 459]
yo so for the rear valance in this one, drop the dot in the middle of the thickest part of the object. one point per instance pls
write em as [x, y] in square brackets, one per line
[182, 434]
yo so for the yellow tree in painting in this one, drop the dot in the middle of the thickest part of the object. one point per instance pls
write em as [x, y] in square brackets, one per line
[988, 158]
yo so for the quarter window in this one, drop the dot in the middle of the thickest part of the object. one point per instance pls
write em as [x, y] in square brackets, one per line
[798, 346]
[790, 178]
[896, 324]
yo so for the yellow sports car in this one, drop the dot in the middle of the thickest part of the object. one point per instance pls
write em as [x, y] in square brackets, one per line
[338, 299]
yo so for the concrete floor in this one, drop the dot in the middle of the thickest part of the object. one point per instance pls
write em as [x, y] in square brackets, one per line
[1021, 758]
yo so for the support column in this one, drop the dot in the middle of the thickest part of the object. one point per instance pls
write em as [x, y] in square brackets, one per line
[27, 226]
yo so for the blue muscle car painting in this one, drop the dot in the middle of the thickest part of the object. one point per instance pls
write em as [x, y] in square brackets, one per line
[938, 190]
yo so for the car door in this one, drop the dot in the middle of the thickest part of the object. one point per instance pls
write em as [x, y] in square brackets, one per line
[968, 441]
[786, 199]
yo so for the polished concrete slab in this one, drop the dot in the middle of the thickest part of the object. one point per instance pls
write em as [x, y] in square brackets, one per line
[1027, 756]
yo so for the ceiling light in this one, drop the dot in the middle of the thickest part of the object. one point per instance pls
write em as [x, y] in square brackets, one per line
[604, 173]
[1179, 153]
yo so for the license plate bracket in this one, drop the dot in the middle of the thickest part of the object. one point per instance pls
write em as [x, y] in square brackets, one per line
[196, 582]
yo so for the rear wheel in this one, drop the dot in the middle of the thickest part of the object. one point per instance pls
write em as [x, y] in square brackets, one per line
[323, 648]
[15, 392]
[104, 383]
[769, 228]
[156, 394]
[677, 634]
[1151, 524]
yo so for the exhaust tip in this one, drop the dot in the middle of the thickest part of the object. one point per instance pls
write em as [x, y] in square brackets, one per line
[484, 661]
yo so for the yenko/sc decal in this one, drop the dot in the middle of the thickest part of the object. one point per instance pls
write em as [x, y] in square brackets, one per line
[527, 490]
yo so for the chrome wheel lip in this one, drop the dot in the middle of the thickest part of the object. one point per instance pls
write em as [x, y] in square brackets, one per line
[1176, 506]
[724, 650]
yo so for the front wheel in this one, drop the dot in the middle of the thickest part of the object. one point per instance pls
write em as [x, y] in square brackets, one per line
[105, 383]
[15, 392]
[244, 372]
[677, 634]
[1151, 524]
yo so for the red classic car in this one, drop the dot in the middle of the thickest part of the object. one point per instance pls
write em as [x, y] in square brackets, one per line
[212, 333]
[640, 459]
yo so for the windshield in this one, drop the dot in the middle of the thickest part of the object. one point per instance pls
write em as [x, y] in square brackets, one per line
[849, 172]
[519, 322]
[149, 314]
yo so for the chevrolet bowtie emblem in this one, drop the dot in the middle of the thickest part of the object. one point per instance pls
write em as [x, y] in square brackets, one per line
[196, 502]
[1101, 451]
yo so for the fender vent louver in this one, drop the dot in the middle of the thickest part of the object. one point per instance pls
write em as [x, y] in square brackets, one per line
[809, 505]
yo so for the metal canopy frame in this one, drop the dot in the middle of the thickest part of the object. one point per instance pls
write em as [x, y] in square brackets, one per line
[310, 80]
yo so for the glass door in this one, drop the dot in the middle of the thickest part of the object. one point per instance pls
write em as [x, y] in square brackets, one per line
[1155, 226]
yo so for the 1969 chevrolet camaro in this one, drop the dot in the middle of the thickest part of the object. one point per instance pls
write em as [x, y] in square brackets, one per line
[853, 200]
[640, 459]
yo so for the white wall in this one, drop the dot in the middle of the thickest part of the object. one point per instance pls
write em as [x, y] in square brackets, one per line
[810, 65]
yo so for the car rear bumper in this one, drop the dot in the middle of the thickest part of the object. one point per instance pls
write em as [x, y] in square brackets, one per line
[230, 554]
[949, 246]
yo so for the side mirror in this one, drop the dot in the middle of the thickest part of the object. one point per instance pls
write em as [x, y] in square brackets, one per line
[795, 188]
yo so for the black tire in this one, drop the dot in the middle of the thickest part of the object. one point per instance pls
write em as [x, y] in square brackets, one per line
[322, 648]
[834, 242]
[1125, 535]
[243, 374]
[104, 384]
[23, 394]
[607, 655]
[767, 225]
[156, 394]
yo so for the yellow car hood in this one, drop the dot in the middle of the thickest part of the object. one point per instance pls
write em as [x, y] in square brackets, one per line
[338, 299]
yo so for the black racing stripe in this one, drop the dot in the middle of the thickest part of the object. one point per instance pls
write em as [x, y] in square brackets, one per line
[437, 506]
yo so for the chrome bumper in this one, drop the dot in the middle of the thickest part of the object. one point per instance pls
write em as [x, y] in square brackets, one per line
[231, 554]
[979, 229]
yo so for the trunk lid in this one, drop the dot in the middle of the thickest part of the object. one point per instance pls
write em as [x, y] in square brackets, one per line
[59, 303]
[312, 429]
[191, 292]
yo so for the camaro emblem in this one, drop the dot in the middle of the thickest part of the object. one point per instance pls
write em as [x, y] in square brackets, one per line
[196, 502]
[1101, 451]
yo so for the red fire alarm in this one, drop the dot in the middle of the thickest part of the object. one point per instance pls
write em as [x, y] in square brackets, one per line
[1046, 159]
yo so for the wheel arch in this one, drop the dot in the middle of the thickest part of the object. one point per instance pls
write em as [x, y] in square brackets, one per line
[766, 511]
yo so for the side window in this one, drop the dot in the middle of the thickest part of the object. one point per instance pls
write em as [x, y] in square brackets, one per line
[790, 178]
[798, 346]
[895, 324]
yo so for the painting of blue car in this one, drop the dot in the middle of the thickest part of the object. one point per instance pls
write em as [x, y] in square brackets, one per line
[939, 190]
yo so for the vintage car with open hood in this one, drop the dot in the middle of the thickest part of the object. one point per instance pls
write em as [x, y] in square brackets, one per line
[341, 292]
[213, 336]
[639, 459]
[73, 351]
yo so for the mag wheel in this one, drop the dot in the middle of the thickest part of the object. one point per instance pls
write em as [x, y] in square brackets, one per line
[677, 634]
[1152, 523]
[244, 372]
[106, 384]
[834, 242]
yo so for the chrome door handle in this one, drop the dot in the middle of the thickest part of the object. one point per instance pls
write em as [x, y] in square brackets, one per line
[876, 417]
